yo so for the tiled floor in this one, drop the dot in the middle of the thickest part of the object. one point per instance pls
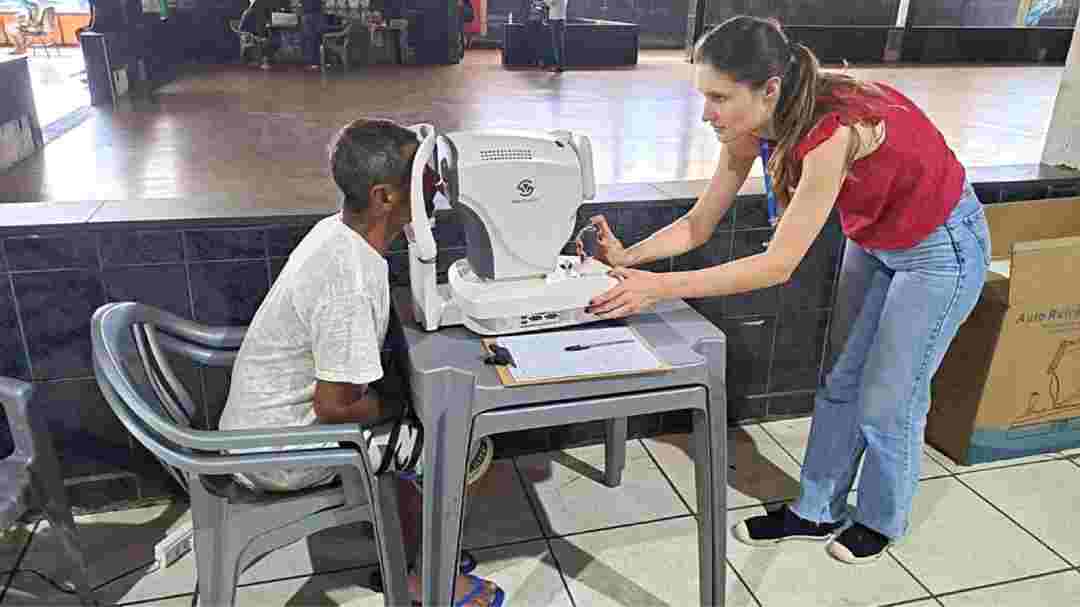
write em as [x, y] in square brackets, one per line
[998, 535]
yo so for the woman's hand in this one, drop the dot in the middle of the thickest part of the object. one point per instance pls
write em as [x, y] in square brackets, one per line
[609, 249]
[637, 291]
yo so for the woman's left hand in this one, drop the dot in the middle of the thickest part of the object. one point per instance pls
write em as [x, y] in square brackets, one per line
[637, 291]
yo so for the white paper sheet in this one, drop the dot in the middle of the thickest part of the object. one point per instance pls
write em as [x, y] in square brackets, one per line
[540, 356]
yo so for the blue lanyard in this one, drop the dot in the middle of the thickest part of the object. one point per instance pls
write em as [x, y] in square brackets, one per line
[769, 193]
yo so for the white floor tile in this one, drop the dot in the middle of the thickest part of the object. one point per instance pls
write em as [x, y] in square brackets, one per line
[571, 497]
[654, 564]
[763, 471]
[526, 572]
[1043, 497]
[958, 541]
[341, 588]
[802, 573]
[1058, 589]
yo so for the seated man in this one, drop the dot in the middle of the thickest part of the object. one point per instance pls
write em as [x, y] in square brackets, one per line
[25, 19]
[312, 350]
[255, 21]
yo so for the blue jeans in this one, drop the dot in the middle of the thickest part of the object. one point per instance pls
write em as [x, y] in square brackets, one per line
[896, 313]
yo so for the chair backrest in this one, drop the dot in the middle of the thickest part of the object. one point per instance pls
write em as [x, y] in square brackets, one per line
[33, 450]
[47, 23]
[15, 396]
[130, 342]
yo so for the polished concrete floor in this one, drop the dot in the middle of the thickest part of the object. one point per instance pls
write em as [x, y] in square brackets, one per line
[259, 138]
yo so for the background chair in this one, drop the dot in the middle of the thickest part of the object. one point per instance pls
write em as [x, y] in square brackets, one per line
[31, 474]
[339, 43]
[248, 41]
[234, 525]
[39, 33]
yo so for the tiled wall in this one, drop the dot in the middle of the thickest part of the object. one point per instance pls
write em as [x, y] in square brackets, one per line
[51, 281]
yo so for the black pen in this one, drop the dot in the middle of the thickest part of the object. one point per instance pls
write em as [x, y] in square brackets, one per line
[580, 347]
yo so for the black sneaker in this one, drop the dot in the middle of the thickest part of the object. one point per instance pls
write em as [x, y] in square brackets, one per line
[781, 525]
[858, 545]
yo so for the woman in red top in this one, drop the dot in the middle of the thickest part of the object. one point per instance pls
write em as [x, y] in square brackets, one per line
[915, 261]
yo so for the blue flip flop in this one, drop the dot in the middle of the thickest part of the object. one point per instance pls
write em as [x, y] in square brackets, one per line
[477, 588]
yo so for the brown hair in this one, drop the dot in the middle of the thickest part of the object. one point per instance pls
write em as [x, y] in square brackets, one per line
[752, 50]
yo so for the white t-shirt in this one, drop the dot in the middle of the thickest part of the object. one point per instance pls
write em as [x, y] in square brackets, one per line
[556, 9]
[325, 318]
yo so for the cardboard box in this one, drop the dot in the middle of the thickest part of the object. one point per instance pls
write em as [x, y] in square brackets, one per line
[1009, 385]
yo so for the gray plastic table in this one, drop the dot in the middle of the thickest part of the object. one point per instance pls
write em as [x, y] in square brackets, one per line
[460, 400]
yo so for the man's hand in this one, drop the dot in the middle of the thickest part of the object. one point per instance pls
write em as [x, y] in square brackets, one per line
[636, 292]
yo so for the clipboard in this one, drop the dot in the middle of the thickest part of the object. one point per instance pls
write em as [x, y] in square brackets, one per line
[641, 346]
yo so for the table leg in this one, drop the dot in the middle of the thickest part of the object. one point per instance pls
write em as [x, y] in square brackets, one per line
[710, 465]
[615, 451]
[445, 452]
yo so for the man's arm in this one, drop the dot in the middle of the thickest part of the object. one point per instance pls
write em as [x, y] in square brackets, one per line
[343, 403]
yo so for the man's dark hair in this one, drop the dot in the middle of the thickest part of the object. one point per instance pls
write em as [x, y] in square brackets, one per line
[366, 153]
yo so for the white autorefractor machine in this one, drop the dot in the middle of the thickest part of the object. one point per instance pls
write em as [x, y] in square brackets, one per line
[516, 193]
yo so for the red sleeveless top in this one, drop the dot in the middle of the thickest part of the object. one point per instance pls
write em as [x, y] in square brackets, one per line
[895, 197]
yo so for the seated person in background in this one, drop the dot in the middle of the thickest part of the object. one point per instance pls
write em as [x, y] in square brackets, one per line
[312, 351]
[27, 16]
[256, 21]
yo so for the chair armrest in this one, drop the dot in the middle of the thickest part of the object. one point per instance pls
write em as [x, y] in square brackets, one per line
[238, 463]
[15, 397]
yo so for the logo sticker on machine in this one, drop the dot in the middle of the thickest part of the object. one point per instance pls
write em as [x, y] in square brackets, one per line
[526, 189]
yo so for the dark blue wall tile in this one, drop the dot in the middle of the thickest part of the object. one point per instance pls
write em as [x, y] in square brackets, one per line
[762, 301]
[13, 361]
[746, 409]
[50, 252]
[228, 293]
[164, 287]
[749, 350]
[751, 212]
[522, 442]
[281, 240]
[56, 308]
[636, 222]
[207, 245]
[89, 437]
[716, 251]
[122, 248]
[800, 338]
[276, 265]
[791, 404]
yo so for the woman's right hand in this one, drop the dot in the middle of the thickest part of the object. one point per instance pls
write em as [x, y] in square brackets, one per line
[609, 249]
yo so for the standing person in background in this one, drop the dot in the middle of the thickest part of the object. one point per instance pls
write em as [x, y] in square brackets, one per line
[313, 24]
[557, 17]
